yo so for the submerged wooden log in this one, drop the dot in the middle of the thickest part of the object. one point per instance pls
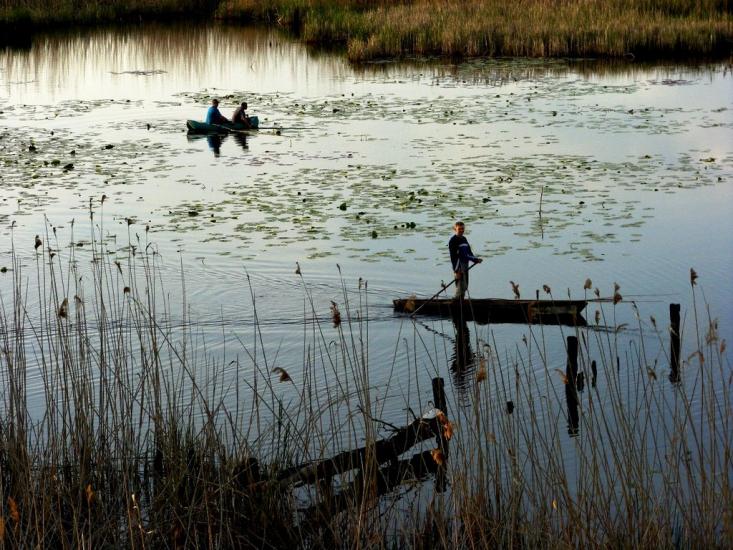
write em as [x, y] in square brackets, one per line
[418, 467]
[383, 450]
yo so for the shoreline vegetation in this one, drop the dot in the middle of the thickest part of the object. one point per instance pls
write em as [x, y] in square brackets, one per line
[378, 29]
[121, 429]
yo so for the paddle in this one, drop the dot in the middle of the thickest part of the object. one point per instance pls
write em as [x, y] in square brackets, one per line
[243, 131]
[232, 129]
[434, 296]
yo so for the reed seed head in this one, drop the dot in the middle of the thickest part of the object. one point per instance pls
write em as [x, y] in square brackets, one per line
[335, 314]
[563, 376]
[38, 242]
[515, 289]
[284, 376]
[445, 423]
[481, 374]
[13, 510]
[64, 309]
[546, 289]
[588, 284]
[693, 277]
[438, 456]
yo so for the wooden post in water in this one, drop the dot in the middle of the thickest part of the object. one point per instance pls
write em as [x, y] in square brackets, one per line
[439, 394]
[674, 343]
[440, 403]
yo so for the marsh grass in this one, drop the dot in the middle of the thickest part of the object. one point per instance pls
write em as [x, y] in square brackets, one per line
[375, 29]
[120, 428]
[527, 28]
[61, 12]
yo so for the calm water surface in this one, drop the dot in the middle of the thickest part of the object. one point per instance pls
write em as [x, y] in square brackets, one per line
[632, 166]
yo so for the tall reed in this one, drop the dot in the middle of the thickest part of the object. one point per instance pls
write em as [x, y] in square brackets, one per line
[120, 428]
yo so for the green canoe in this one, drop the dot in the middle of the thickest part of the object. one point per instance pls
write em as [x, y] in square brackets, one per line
[196, 127]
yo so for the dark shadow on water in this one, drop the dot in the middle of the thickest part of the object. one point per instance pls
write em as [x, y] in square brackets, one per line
[574, 383]
[241, 140]
[215, 141]
[463, 360]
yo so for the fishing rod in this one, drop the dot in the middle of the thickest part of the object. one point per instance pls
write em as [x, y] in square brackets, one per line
[434, 296]
[285, 128]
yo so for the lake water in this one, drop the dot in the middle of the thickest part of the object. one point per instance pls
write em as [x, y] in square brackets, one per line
[632, 166]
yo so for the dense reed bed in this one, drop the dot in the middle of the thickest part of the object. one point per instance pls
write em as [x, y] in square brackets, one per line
[121, 429]
[373, 29]
[24, 13]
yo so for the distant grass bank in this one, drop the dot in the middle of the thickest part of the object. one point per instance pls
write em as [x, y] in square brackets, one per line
[24, 14]
[373, 29]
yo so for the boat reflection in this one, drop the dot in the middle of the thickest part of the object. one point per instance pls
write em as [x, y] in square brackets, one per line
[215, 141]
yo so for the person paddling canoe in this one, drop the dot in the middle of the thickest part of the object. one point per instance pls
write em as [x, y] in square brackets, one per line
[460, 256]
[213, 116]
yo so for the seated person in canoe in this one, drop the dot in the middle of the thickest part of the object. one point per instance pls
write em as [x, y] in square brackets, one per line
[213, 116]
[240, 116]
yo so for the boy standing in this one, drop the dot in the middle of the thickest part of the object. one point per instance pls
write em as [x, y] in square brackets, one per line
[460, 256]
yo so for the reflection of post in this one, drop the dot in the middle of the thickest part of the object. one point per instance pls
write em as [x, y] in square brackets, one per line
[571, 370]
[571, 398]
[674, 339]
[571, 393]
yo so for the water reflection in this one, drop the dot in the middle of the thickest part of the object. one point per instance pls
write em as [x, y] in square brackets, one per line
[241, 140]
[215, 141]
[153, 59]
[463, 360]
[571, 399]
[156, 60]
